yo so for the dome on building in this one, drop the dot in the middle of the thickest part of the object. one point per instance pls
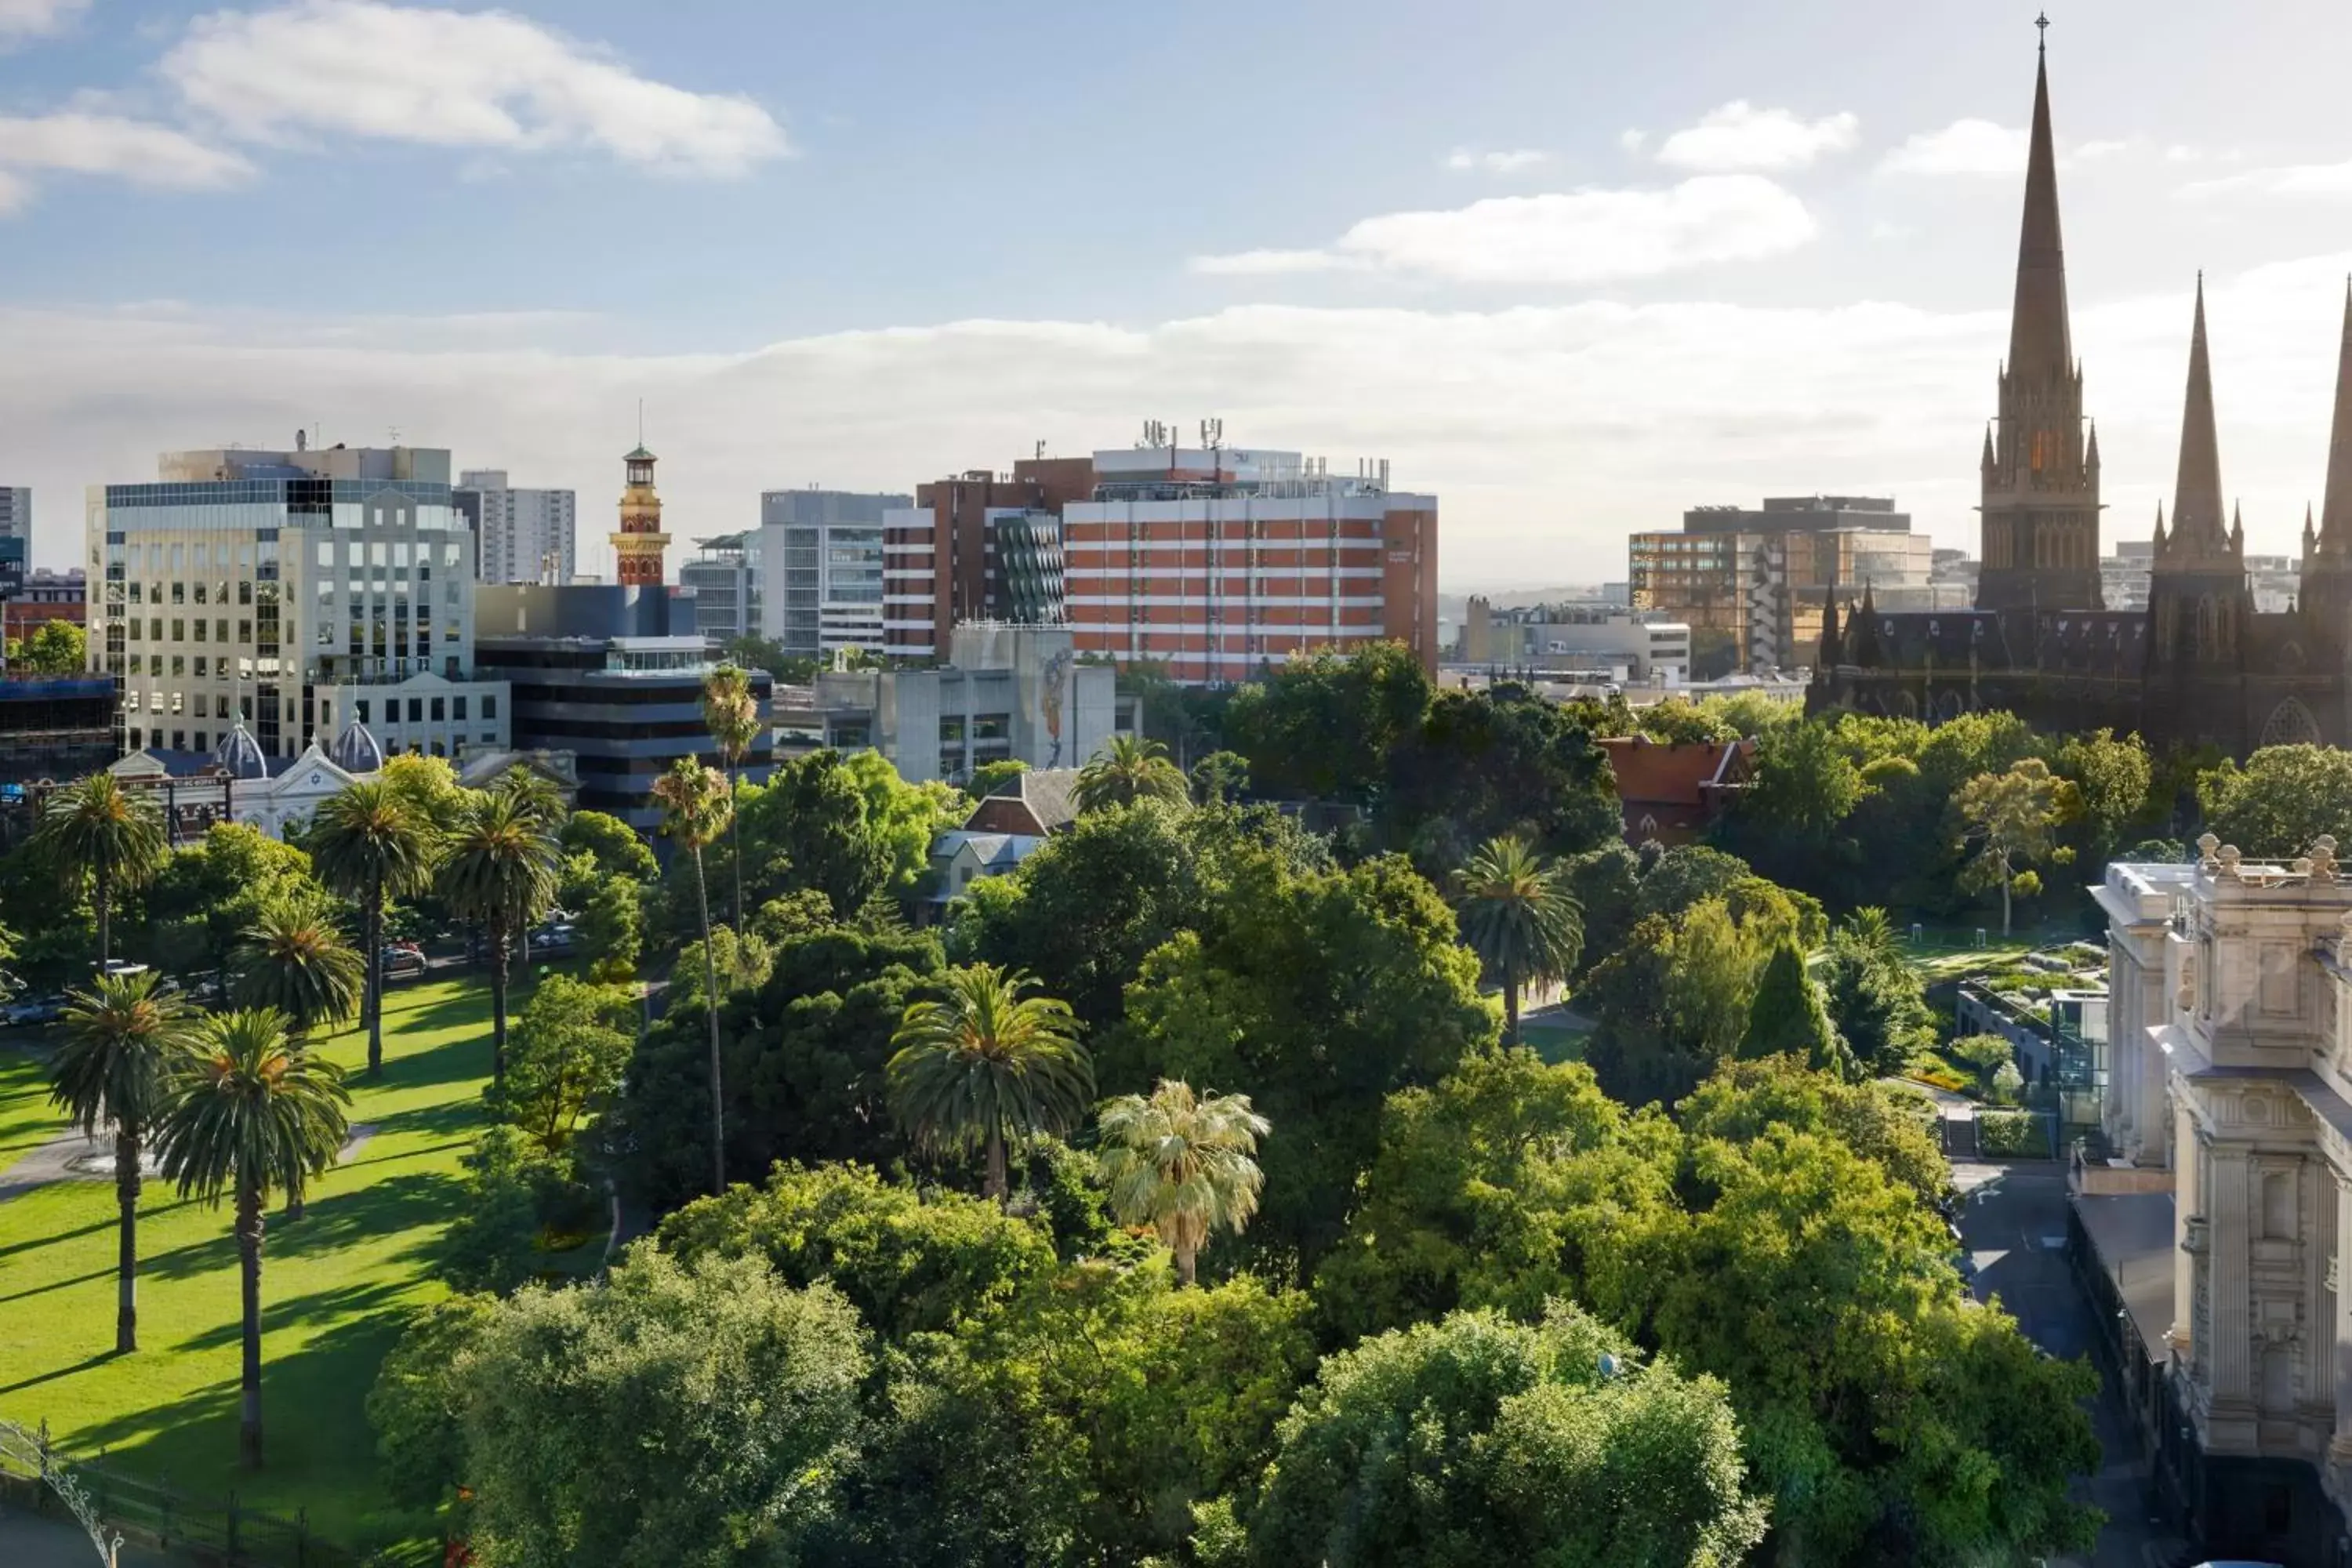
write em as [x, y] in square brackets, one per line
[240, 754]
[356, 751]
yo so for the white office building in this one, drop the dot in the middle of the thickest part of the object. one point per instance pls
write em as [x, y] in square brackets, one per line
[289, 594]
[819, 558]
[526, 536]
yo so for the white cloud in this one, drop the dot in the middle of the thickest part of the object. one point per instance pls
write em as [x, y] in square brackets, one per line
[1741, 136]
[1580, 236]
[1632, 140]
[2325, 182]
[2093, 152]
[1465, 159]
[138, 151]
[1963, 147]
[485, 79]
[34, 18]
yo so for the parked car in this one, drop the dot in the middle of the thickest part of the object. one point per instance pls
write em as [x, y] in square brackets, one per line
[402, 962]
[554, 940]
[35, 1010]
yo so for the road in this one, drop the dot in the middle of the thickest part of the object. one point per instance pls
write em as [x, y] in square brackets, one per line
[2015, 1230]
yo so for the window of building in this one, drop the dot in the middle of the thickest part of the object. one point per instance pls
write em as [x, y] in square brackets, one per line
[245, 592]
[179, 737]
[179, 663]
[490, 707]
[417, 711]
[177, 698]
[457, 709]
[201, 624]
[200, 593]
[155, 629]
[361, 707]
[179, 592]
[201, 662]
[180, 630]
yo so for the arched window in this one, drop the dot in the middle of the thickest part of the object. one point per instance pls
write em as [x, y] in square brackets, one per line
[2290, 724]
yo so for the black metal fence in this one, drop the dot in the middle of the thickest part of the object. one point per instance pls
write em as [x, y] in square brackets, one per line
[219, 1530]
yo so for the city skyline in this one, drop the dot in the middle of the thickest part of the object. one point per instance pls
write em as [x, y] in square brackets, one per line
[1592, 269]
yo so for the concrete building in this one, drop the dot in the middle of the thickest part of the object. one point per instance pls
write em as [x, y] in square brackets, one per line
[613, 674]
[724, 578]
[1006, 691]
[1216, 564]
[823, 570]
[979, 546]
[291, 592]
[16, 536]
[2220, 1232]
[524, 535]
[1563, 637]
[55, 727]
[1752, 585]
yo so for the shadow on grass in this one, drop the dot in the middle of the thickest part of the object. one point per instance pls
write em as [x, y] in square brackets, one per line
[146, 1213]
[85, 1364]
[337, 1303]
[334, 1220]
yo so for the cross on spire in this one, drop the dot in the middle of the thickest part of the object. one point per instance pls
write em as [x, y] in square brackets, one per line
[2041, 25]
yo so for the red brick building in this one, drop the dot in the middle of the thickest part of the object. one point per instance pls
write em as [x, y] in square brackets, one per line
[1674, 792]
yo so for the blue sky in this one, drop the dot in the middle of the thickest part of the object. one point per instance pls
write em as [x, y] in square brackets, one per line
[1572, 268]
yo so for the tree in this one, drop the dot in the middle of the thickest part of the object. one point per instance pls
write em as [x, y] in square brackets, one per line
[745, 1388]
[1711, 990]
[618, 849]
[208, 894]
[253, 1114]
[1786, 1017]
[96, 831]
[810, 828]
[1220, 777]
[764, 653]
[2279, 800]
[52, 647]
[430, 786]
[2113, 778]
[1876, 999]
[988, 778]
[571, 1047]
[1519, 918]
[1324, 725]
[418, 1401]
[2012, 818]
[499, 867]
[612, 928]
[1502, 761]
[125, 1048]
[696, 807]
[988, 1066]
[731, 713]
[1478, 1440]
[534, 793]
[1127, 770]
[1182, 1164]
[369, 843]
[1804, 788]
[295, 961]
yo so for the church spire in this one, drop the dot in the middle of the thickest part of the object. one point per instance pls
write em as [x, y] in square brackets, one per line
[2336, 507]
[2040, 348]
[2159, 528]
[2197, 497]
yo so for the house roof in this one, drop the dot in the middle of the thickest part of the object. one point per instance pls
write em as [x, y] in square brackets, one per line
[186, 764]
[1653, 773]
[1050, 794]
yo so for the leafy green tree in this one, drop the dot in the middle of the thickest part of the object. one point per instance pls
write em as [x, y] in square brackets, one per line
[371, 843]
[2012, 820]
[125, 1048]
[731, 711]
[764, 653]
[1606, 885]
[1876, 999]
[52, 647]
[987, 1067]
[1804, 788]
[1519, 918]
[1711, 990]
[1324, 725]
[1220, 777]
[1503, 761]
[809, 827]
[1685, 874]
[2279, 800]
[912, 1264]
[516, 1195]
[295, 960]
[745, 1387]
[1182, 1164]
[1983, 1054]
[612, 928]
[571, 1047]
[1127, 770]
[1892, 1126]
[1788, 1018]
[990, 777]
[418, 1402]
[430, 786]
[253, 1113]
[697, 805]
[94, 830]
[1475, 1440]
[2112, 779]
[500, 864]
[737, 964]
[618, 849]
[209, 894]
[535, 793]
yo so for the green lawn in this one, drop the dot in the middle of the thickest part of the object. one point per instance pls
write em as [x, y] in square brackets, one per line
[334, 1285]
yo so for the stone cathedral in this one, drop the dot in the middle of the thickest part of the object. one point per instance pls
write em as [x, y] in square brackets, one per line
[2199, 665]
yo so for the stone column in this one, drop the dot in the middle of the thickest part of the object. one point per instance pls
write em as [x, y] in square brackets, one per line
[2339, 1450]
[2228, 1267]
[2187, 1202]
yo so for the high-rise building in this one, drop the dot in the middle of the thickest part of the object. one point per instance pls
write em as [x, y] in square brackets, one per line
[16, 536]
[1214, 563]
[822, 567]
[290, 594]
[723, 577]
[639, 542]
[523, 535]
[979, 546]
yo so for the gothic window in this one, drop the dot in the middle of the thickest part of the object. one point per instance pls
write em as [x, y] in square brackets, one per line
[2041, 450]
[2290, 724]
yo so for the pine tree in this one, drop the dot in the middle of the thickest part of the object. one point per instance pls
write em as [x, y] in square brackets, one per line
[1787, 1018]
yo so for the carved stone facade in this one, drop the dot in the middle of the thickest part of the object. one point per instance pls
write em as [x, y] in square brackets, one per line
[2231, 1065]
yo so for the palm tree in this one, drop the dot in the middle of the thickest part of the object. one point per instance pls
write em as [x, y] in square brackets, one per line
[294, 958]
[112, 836]
[535, 793]
[124, 1046]
[732, 715]
[253, 1113]
[1182, 1164]
[500, 867]
[1127, 771]
[1869, 934]
[370, 844]
[696, 808]
[1519, 916]
[987, 1065]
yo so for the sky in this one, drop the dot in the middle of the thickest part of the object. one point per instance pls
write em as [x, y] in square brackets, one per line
[1570, 268]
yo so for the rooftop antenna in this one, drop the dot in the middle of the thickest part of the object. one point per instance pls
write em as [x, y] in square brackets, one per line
[1041, 450]
[641, 422]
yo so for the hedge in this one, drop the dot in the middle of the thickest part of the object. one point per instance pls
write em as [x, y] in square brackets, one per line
[2023, 1134]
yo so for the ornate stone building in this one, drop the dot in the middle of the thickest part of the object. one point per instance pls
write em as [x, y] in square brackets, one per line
[2199, 664]
[2222, 1229]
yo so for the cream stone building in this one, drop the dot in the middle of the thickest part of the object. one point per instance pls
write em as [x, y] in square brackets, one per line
[2218, 1232]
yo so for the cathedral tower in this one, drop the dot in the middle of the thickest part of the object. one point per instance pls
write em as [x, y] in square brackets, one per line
[2040, 474]
[2197, 599]
[640, 544]
[2326, 587]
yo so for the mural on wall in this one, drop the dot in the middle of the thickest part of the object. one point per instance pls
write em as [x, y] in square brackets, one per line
[1051, 686]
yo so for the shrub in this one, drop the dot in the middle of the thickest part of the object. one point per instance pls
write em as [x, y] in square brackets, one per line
[2016, 1134]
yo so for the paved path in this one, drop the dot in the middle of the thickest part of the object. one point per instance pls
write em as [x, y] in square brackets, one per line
[30, 1541]
[2015, 1230]
[49, 1162]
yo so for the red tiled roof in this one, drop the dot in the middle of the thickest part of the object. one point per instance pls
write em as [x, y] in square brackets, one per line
[1655, 775]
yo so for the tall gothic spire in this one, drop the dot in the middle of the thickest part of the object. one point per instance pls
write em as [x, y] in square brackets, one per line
[2041, 348]
[2336, 509]
[2197, 516]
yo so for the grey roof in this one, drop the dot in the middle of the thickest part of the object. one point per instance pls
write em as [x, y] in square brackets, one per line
[1050, 794]
[187, 764]
[356, 751]
[2132, 1234]
[239, 755]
